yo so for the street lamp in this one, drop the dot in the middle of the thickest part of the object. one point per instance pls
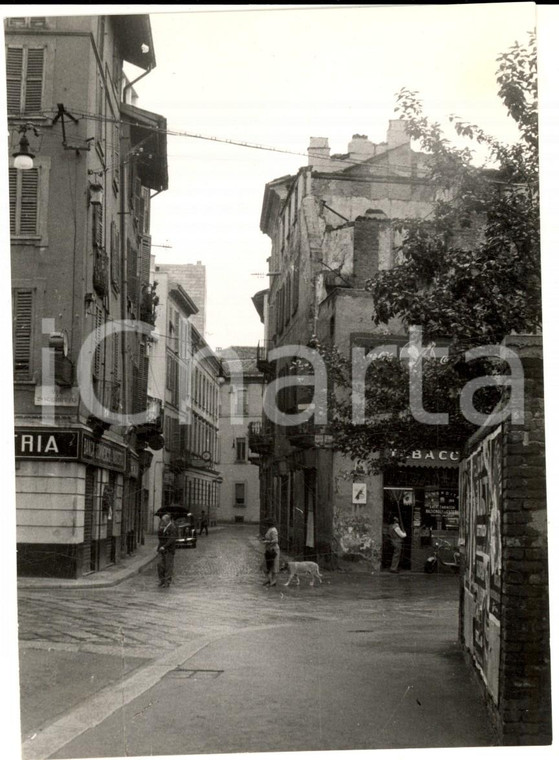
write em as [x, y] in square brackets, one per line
[23, 158]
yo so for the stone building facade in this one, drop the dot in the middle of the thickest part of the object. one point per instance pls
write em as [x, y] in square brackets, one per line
[240, 412]
[80, 249]
[332, 227]
[504, 604]
[191, 277]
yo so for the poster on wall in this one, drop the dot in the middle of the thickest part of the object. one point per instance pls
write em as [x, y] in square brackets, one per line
[480, 532]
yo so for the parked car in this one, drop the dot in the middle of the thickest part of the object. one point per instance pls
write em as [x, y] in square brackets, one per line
[187, 532]
[184, 521]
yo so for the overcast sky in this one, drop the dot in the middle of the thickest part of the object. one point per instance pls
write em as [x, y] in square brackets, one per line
[275, 76]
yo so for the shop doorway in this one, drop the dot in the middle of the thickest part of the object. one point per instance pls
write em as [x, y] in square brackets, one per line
[399, 502]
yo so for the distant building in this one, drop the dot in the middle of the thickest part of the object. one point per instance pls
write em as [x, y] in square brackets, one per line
[184, 380]
[192, 277]
[241, 411]
[332, 227]
[80, 252]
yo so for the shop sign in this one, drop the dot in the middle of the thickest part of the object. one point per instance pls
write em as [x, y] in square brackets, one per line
[56, 396]
[103, 453]
[46, 444]
[359, 493]
[433, 458]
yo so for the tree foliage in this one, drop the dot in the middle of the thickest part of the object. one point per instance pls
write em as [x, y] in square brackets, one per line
[469, 273]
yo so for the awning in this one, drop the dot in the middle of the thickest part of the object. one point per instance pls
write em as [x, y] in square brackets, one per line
[148, 131]
[432, 458]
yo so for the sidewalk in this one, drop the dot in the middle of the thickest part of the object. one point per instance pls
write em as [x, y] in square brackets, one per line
[130, 565]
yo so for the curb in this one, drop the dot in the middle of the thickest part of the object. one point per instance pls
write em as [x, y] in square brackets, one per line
[140, 564]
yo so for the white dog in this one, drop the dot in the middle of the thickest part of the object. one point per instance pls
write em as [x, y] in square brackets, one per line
[295, 568]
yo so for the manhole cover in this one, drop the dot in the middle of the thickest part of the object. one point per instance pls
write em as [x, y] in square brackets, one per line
[186, 673]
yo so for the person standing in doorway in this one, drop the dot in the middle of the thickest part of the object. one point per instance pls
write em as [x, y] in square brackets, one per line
[397, 535]
[167, 535]
[271, 553]
[203, 523]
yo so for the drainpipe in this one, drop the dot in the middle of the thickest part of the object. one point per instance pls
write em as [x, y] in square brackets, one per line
[131, 84]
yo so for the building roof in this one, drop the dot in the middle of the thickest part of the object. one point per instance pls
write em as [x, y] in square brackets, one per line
[133, 32]
[245, 354]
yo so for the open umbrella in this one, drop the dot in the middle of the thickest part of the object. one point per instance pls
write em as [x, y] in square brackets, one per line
[175, 510]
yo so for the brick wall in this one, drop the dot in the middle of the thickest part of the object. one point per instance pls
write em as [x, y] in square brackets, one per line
[519, 693]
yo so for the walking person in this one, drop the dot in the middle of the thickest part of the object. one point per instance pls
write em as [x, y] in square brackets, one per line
[396, 535]
[167, 535]
[203, 523]
[271, 553]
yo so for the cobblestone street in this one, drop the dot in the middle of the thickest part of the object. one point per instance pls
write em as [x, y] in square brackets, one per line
[75, 644]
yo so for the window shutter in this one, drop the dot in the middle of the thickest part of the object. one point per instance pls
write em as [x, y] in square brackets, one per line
[23, 326]
[98, 316]
[13, 200]
[97, 225]
[14, 74]
[115, 256]
[34, 80]
[132, 275]
[295, 289]
[29, 202]
[145, 248]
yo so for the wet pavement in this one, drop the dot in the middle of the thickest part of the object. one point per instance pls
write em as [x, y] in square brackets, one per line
[361, 661]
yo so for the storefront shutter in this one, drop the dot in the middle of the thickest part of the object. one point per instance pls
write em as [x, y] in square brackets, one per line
[23, 327]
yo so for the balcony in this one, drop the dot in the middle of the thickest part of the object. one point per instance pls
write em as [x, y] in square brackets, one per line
[101, 273]
[262, 363]
[301, 436]
[260, 441]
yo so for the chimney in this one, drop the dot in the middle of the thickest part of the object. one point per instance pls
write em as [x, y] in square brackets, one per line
[397, 134]
[319, 152]
[361, 148]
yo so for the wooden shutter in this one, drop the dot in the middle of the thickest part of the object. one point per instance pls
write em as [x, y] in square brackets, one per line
[145, 249]
[23, 332]
[34, 80]
[115, 256]
[13, 200]
[14, 76]
[98, 356]
[97, 221]
[132, 275]
[295, 288]
[24, 202]
[29, 202]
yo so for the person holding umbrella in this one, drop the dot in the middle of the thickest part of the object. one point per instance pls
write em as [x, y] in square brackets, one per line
[167, 535]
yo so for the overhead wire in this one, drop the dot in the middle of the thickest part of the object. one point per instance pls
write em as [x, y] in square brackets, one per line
[336, 159]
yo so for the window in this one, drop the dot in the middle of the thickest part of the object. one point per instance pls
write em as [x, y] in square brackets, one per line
[241, 447]
[22, 311]
[27, 22]
[241, 402]
[24, 203]
[240, 494]
[24, 74]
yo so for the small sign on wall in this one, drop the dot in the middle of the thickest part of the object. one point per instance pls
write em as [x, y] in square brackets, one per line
[359, 493]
